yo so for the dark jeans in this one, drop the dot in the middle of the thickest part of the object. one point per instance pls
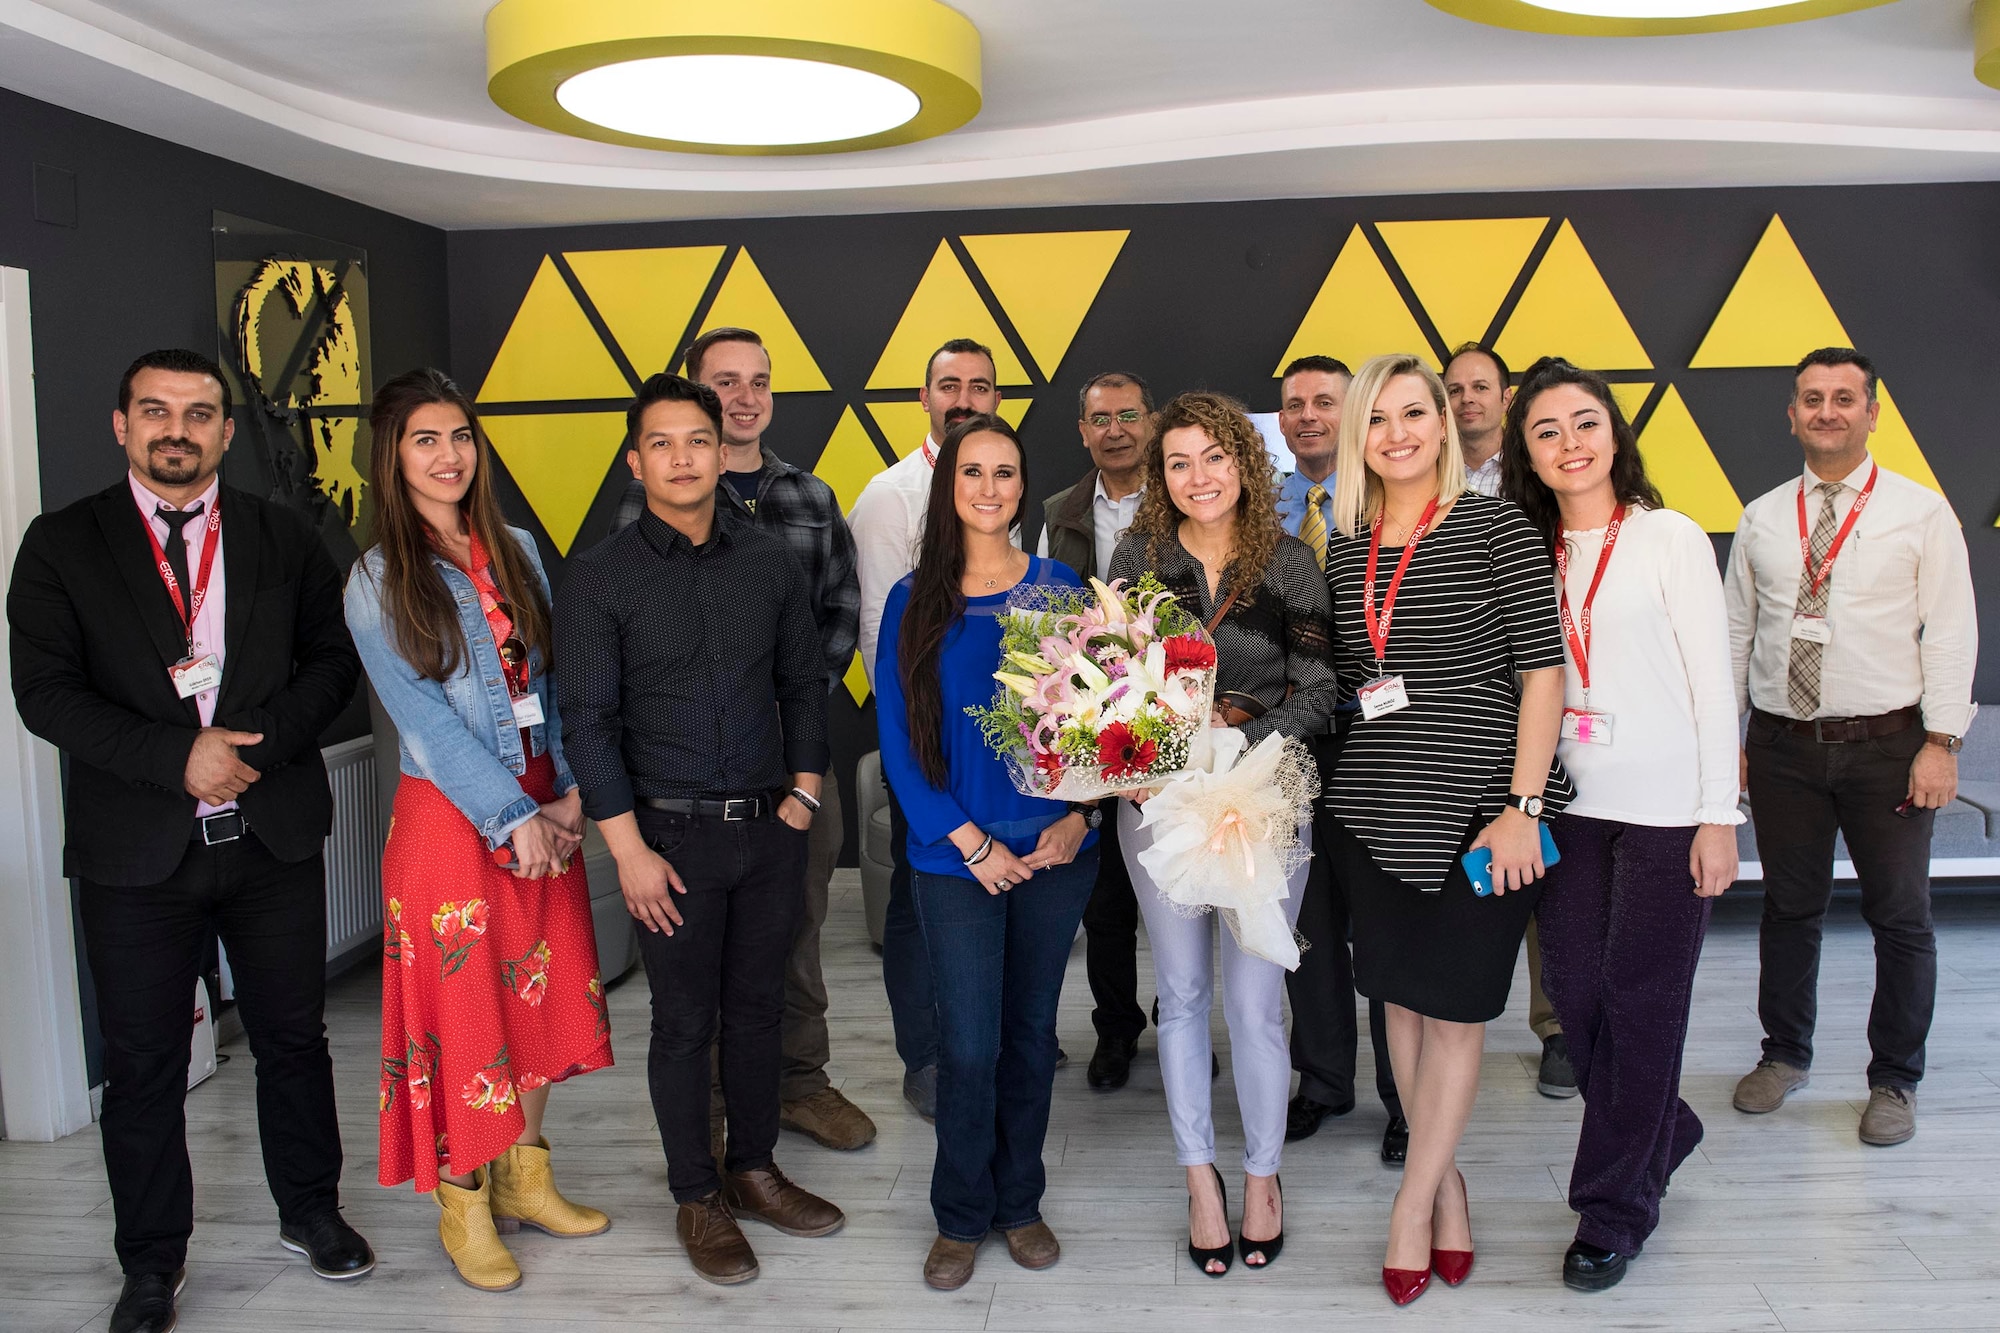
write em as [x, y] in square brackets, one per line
[1802, 792]
[906, 966]
[1325, 1035]
[997, 960]
[145, 947]
[1621, 932]
[739, 916]
[1111, 941]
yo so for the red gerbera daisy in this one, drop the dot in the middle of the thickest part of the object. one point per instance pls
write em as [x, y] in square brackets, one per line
[1123, 754]
[1185, 652]
[1050, 765]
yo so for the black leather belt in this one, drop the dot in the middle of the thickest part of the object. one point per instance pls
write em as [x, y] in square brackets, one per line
[1836, 730]
[225, 827]
[730, 808]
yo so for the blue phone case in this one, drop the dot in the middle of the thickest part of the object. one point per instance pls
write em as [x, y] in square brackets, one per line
[1478, 863]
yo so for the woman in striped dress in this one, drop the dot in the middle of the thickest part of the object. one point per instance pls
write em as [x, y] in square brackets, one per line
[1446, 633]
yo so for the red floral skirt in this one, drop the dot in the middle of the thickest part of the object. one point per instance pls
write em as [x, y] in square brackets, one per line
[489, 987]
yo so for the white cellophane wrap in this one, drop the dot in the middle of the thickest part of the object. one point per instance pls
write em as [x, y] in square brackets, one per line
[1225, 837]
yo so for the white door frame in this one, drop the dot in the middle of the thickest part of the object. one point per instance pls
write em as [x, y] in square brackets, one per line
[43, 1087]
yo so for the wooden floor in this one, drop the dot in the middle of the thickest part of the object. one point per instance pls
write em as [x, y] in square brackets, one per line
[1782, 1222]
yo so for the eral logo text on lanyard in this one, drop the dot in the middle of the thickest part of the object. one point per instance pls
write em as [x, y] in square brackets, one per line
[1584, 724]
[191, 676]
[1818, 574]
[930, 453]
[1386, 693]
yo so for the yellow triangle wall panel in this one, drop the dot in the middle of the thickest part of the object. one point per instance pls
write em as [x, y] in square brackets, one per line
[1775, 313]
[1894, 447]
[1462, 269]
[746, 301]
[1682, 465]
[1012, 410]
[849, 459]
[646, 297]
[1046, 282]
[1631, 398]
[1567, 311]
[1357, 314]
[944, 306]
[551, 351]
[559, 460]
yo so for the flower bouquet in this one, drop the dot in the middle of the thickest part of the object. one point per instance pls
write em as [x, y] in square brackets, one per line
[1102, 690]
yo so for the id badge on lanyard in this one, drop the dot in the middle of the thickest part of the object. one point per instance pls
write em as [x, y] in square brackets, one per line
[528, 710]
[1585, 725]
[191, 675]
[1386, 693]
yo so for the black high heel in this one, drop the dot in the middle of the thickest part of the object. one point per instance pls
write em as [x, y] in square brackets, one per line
[1222, 1255]
[1271, 1248]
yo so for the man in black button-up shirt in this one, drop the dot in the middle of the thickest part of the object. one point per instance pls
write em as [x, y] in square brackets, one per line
[694, 709]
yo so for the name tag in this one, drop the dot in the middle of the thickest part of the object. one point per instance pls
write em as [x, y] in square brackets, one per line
[195, 675]
[1586, 726]
[528, 711]
[1813, 629]
[1384, 694]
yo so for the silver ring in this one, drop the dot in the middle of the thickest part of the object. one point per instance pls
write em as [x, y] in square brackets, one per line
[1003, 883]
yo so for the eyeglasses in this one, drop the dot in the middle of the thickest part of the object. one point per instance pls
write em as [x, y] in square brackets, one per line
[1103, 420]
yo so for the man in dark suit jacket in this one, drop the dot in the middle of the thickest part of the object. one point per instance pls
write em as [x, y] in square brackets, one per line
[189, 692]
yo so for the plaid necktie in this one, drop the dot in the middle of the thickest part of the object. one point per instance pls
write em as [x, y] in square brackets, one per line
[1802, 677]
[1312, 528]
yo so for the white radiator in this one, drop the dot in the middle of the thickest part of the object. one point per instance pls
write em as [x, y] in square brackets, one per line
[353, 849]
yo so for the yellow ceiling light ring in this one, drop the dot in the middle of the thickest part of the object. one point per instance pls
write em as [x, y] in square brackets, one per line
[535, 47]
[1531, 17]
[1986, 42]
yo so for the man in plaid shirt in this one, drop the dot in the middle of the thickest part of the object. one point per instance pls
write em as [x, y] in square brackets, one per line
[759, 487]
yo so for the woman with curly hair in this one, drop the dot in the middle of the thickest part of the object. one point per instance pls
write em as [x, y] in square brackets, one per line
[1208, 529]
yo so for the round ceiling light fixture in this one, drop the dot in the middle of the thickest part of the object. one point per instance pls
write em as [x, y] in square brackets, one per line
[1644, 18]
[754, 77]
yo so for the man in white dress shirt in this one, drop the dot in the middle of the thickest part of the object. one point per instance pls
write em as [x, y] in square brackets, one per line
[1477, 386]
[1081, 524]
[888, 519]
[1854, 635]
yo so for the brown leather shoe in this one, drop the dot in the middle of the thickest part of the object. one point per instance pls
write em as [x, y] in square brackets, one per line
[830, 1120]
[949, 1264]
[713, 1241]
[1891, 1117]
[1765, 1088]
[769, 1196]
[1033, 1246]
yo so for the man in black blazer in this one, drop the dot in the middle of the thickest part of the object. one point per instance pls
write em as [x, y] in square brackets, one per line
[186, 660]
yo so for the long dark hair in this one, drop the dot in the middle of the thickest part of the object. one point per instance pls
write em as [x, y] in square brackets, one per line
[936, 598]
[419, 610]
[1518, 481]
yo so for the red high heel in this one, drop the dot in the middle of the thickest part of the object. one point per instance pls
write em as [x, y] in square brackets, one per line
[1405, 1284]
[1454, 1266]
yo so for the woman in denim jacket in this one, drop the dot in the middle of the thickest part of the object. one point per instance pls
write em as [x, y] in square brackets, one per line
[490, 985]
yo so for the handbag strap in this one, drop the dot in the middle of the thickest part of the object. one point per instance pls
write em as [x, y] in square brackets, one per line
[1220, 612]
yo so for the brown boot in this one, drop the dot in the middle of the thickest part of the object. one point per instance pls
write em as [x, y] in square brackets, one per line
[1891, 1117]
[767, 1195]
[1764, 1089]
[949, 1264]
[1033, 1246]
[713, 1241]
[830, 1120]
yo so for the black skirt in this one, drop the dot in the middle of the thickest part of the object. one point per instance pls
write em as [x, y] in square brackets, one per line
[1448, 954]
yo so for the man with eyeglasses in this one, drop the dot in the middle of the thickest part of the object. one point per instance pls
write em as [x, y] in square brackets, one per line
[1081, 525]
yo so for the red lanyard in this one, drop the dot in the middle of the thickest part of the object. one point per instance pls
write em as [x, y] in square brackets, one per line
[1378, 628]
[1579, 644]
[930, 452]
[1805, 543]
[188, 612]
[515, 667]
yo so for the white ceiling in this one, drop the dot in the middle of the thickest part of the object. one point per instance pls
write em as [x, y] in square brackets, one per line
[1087, 101]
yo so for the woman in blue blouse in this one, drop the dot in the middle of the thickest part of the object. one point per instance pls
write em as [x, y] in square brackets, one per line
[999, 879]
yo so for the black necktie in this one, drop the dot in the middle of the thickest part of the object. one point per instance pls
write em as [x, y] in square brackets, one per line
[176, 547]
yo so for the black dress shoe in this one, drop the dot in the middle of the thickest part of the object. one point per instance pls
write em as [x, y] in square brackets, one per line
[1395, 1141]
[1111, 1063]
[1303, 1116]
[146, 1305]
[1557, 1076]
[1588, 1268]
[335, 1248]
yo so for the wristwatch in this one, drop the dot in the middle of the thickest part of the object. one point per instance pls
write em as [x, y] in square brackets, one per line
[1092, 812]
[1949, 744]
[1531, 806]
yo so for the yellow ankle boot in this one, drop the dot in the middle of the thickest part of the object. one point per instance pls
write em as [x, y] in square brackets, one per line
[465, 1225]
[524, 1193]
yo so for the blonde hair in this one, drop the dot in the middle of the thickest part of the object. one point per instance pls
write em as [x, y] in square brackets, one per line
[1357, 491]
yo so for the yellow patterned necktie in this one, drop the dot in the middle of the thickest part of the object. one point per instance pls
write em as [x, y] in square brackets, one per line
[1312, 528]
